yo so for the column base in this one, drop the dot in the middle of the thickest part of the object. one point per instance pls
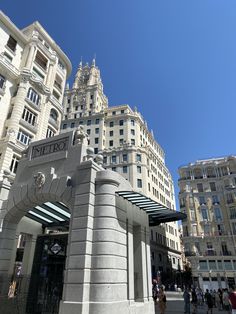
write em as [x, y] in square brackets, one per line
[123, 307]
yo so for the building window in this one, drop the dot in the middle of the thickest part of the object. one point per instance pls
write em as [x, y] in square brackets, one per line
[218, 215]
[138, 157]
[50, 132]
[139, 169]
[122, 111]
[11, 43]
[64, 126]
[121, 122]
[204, 214]
[97, 121]
[33, 96]
[113, 169]
[121, 132]
[29, 116]
[111, 133]
[132, 132]
[91, 96]
[81, 122]
[97, 131]
[105, 159]
[88, 122]
[96, 140]
[95, 150]
[58, 82]
[113, 113]
[72, 125]
[132, 122]
[232, 213]
[111, 124]
[215, 199]
[14, 163]
[2, 82]
[113, 159]
[88, 131]
[203, 265]
[200, 187]
[132, 141]
[125, 169]
[41, 60]
[121, 141]
[110, 143]
[213, 186]
[55, 94]
[202, 200]
[24, 137]
[125, 157]
[139, 183]
[53, 115]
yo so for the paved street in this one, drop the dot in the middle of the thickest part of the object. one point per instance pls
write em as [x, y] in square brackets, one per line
[175, 304]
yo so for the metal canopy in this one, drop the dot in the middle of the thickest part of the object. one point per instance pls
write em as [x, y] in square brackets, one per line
[57, 214]
[49, 214]
[157, 212]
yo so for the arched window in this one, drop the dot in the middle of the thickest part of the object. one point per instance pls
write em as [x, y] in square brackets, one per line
[33, 96]
[53, 115]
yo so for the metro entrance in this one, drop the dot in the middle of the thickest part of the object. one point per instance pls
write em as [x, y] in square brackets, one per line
[46, 284]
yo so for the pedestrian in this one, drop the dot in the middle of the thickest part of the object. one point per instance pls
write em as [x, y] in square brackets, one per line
[217, 300]
[209, 301]
[154, 290]
[226, 303]
[232, 300]
[194, 301]
[162, 300]
[186, 296]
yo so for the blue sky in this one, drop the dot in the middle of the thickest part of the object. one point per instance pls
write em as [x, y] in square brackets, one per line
[173, 59]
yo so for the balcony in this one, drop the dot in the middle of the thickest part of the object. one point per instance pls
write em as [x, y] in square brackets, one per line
[210, 253]
[29, 126]
[9, 68]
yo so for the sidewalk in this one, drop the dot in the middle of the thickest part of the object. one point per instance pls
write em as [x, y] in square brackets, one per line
[175, 304]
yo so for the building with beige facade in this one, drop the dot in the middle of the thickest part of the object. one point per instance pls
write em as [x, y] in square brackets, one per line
[33, 72]
[207, 196]
[129, 148]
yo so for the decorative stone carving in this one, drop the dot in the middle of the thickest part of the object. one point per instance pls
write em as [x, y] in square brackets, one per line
[39, 179]
[80, 135]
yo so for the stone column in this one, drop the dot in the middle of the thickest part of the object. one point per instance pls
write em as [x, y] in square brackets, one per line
[108, 290]
[18, 107]
[30, 56]
[76, 291]
[7, 239]
[49, 75]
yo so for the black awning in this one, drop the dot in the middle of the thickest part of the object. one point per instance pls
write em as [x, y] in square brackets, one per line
[157, 212]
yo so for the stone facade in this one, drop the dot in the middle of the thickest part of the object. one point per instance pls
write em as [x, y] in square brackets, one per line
[130, 149]
[207, 196]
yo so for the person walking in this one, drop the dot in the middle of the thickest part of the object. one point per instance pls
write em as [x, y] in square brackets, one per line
[194, 301]
[226, 303]
[186, 296]
[162, 300]
[232, 300]
[209, 301]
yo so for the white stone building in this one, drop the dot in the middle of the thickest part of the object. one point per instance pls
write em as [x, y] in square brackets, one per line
[207, 196]
[33, 72]
[130, 149]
